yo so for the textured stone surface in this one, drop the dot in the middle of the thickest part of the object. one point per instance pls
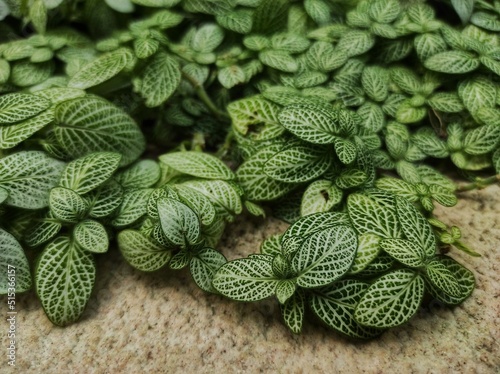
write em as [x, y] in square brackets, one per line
[138, 322]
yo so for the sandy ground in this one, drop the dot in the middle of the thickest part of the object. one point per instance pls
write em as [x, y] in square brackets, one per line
[160, 322]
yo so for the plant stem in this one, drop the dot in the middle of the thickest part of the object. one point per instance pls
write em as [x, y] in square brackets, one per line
[479, 183]
[202, 94]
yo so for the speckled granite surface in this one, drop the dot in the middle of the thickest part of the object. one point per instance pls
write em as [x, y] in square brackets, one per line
[145, 323]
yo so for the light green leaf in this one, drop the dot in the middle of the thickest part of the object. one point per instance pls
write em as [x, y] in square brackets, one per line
[293, 311]
[345, 150]
[13, 134]
[398, 187]
[351, 178]
[429, 44]
[476, 93]
[464, 9]
[199, 203]
[384, 11]
[372, 116]
[26, 73]
[43, 230]
[91, 236]
[246, 279]
[66, 205]
[28, 176]
[198, 164]
[87, 173]
[203, 267]
[101, 69]
[318, 10]
[380, 265]
[145, 47]
[16, 275]
[375, 81]
[4, 68]
[356, 42]
[407, 252]
[256, 184]
[285, 290]
[156, 3]
[325, 256]
[415, 227]
[368, 250]
[238, 20]
[482, 140]
[335, 306]
[141, 252]
[488, 21]
[369, 216]
[17, 107]
[105, 200]
[442, 278]
[179, 223]
[464, 277]
[180, 260]
[298, 164]
[122, 6]
[91, 124]
[271, 246]
[133, 207]
[452, 62]
[254, 209]
[323, 57]
[313, 124]
[231, 76]
[279, 60]
[320, 196]
[64, 278]
[161, 78]
[207, 38]
[57, 95]
[254, 111]
[446, 102]
[312, 223]
[392, 300]
[142, 174]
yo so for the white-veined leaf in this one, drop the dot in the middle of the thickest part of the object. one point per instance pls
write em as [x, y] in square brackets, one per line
[238, 20]
[141, 252]
[43, 230]
[345, 150]
[231, 76]
[203, 267]
[446, 102]
[142, 174]
[384, 11]
[476, 93]
[452, 62]
[293, 311]
[465, 278]
[161, 78]
[398, 187]
[271, 246]
[429, 44]
[91, 236]
[199, 203]
[179, 223]
[391, 300]
[91, 124]
[482, 140]
[16, 275]
[368, 250]
[442, 278]
[198, 164]
[325, 256]
[101, 69]
[415, 227]
[405, 251]
[17, 107]
[375, 81]
[246, 279]
[13, 134]
[369, 216]
[64, 278]
[105, 200]
[356, 42]
[312, 223]
[335, 305]
[464, 9]
[89, 172]
[133, 207]
[313, 124]
[298, 164]
[66, 205]
[28, 176]
[320, 196]
[145, 47]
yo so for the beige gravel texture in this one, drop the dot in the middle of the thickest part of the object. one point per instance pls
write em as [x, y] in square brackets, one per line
[160, 322]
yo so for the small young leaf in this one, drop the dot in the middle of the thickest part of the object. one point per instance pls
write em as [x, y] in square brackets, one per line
[180, 224]
[392, 300]
[161, 78]
[64, 278]
[477, 93]
[442, 278]
[133, 207]
[91, 236]
[407, 252]
[67, 205]
[320, 196]
[285, 290]
[293, 311]
[279, 60]
[43, 231]
[368, 250]
[203, 267]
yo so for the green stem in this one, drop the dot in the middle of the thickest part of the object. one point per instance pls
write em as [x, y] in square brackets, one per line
[224, 149]
[202, 94]
[479, 183]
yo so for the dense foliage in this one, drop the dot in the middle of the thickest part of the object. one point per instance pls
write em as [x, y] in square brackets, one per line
[153, 123]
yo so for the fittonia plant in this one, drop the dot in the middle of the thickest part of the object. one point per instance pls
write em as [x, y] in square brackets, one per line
[150, 131]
